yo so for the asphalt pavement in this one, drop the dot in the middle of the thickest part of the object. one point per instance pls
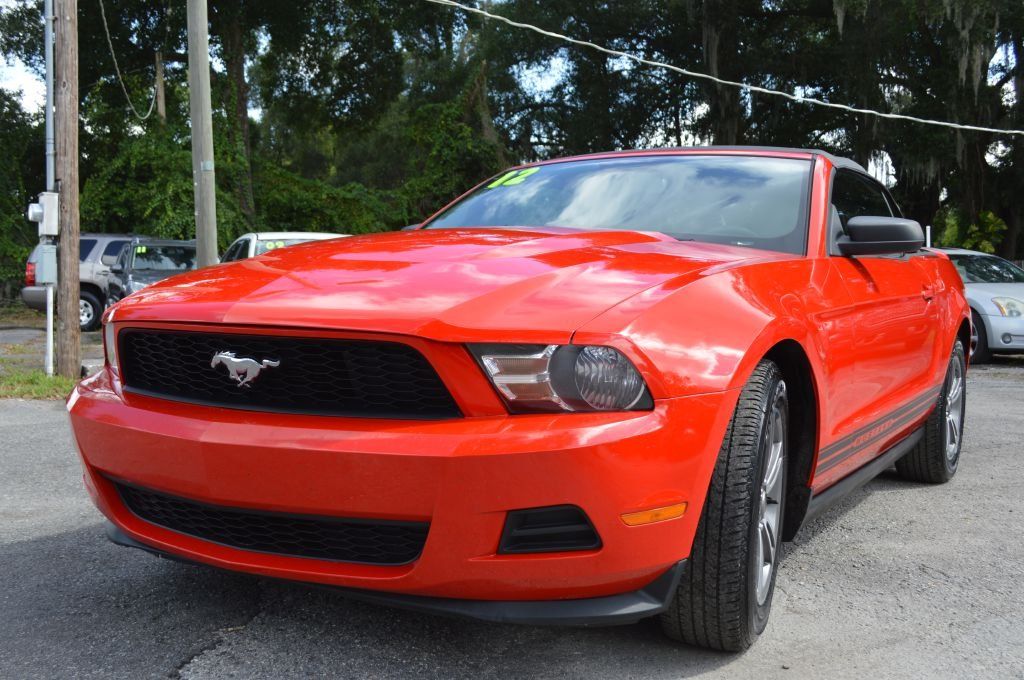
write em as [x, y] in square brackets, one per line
[901, 580]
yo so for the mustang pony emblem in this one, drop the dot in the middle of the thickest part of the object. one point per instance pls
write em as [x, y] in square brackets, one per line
[243, 371]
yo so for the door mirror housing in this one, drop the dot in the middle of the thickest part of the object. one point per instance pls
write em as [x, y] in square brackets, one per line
[116, 269]
[108, 260]
[880, 236]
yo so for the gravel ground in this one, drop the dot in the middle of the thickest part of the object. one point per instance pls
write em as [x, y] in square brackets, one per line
[900, 581]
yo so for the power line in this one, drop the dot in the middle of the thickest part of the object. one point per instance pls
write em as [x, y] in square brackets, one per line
[729, 83]
[117, 69]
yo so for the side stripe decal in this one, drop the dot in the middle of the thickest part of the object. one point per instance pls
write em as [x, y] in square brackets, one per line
[835, 453]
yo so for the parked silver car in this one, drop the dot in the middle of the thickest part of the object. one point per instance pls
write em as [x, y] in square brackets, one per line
[252, 244]
[96, 252]
[995, 291]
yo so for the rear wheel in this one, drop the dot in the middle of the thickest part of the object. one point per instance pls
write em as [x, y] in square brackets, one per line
[725, 595]
[89, 311]
[935, 458]
[980, 353]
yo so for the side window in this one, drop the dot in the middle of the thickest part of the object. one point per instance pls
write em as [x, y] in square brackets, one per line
[85, 247]
[113, 248]
[235, 251]
[854, 195]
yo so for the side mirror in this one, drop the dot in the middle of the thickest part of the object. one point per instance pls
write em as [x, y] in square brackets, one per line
[108, 260]
[116, 269]
[880, 236]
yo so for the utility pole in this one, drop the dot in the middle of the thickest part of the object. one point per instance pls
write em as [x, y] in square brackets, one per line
[202, 133]
[69, 352]
[50, 180]
[161, 99]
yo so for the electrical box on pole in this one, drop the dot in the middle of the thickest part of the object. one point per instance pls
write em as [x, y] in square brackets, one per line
[45, 213]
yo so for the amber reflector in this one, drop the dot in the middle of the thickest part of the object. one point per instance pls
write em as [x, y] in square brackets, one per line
[656, 515]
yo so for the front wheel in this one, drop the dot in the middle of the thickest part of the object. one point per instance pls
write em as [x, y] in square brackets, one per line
[936, 457]
[980, 352]
[725, 595]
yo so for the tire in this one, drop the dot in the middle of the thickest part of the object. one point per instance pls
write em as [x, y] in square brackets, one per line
[89, 311]
[725, 594]
[936, 457]
[980, 352]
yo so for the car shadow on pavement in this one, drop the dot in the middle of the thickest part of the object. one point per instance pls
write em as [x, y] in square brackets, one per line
[75, 604]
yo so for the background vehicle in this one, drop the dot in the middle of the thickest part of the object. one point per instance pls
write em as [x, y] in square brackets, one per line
[252, 244]
[97, 252]
[143, 262]
[995, 291]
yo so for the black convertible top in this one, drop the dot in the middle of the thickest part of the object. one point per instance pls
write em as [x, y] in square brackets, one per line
[838, 161]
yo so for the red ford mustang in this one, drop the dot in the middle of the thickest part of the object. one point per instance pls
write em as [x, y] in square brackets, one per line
[589, 391]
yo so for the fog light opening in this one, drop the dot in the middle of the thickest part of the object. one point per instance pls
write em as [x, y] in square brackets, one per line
[1007, 339]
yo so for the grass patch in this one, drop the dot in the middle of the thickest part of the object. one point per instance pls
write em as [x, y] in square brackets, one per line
[17, 314]
[20, 383]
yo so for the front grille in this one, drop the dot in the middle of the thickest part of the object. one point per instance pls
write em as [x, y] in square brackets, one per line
[324, 538]
[359, 378]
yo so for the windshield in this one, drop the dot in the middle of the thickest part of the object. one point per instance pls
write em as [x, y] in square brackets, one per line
[739, 200]
[264, 246]
[164, 258]
[987, 269]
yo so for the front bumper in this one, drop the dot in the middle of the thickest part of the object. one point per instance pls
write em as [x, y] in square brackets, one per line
[461, 475]
[1005, 334]
[610, 610]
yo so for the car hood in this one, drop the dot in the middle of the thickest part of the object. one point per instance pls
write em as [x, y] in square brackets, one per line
[147, 277]
[987, 291]
[449, 284]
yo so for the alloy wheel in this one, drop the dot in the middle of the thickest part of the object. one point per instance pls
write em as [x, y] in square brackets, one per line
[770, 512]
[954, 408]
[85, 313]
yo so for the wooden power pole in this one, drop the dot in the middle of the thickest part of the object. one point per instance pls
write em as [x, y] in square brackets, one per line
[161, 98]
[202, 133]
[69, 352]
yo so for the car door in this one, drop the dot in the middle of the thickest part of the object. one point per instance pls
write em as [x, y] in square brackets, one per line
[894, 319]
[109, 255]
[115, 279]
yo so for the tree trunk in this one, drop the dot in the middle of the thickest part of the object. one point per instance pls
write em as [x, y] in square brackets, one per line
[720, 27]
[69, 352]
[234, 63]
[1014, 211]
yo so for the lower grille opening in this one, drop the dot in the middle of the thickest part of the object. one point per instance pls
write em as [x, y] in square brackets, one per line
[325, 538]
[557, 528]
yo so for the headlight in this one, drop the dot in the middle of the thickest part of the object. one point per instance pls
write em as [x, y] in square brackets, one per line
[1009, 306]
[533, 378]
[110, 344]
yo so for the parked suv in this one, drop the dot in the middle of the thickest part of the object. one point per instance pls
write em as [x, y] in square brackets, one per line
[145, 261]
[96, 252]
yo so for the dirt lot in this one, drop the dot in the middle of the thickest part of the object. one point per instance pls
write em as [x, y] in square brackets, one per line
[900, 581]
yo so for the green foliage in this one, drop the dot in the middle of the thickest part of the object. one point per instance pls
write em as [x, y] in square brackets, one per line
[984, 235]
[18, 133]
[288, 201]
[145, 188]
